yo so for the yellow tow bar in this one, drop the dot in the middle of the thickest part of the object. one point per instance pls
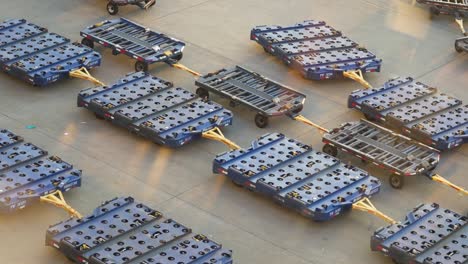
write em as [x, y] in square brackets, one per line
[444, 181]
[358, 77]
[84, 74]
[217, 135]
[304, 120]
[185, 68]
[365, 205]
[56, 198]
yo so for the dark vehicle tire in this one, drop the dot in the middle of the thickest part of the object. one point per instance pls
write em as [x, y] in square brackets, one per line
[261, 121]
[141, 66]
[112, 9]
[88, 43]
[330, 150]
[203, 93]
[396, 181]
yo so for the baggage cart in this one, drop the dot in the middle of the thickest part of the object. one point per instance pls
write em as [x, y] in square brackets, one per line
[317, 51]
[29, 174]
[155, 109]
[113, 5]
[123, 230]
[428, 235]
[244, 87]
[416, 110]
[384, 148]
[31, 53]
[294, 175]
[136, 41]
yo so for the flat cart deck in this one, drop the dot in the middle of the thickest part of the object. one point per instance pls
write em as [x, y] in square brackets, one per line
[428, 235]
[241, 86]
[155, 109]
[123, 230]
[317, 50]
[29, 52]
[136, 41]
[384, 148]
[294, 175]
[28, 173]
[461, 44]
[456, 8]
[113, 5]
[415, 110]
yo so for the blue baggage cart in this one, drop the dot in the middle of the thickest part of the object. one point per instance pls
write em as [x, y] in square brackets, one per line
[32, 54]
[123, 230]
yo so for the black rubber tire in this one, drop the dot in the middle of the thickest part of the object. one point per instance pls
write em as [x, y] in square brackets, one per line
[330, 150]
[99, 117]
[115, 52]
[141, 66]
[396, 181]
[203, 93]
[458, 49]
[369, 117]
[298, 110]
[178, 57]
[146, 1]
[112, 9]
[88, 43]
[261, 121]
[267, 50]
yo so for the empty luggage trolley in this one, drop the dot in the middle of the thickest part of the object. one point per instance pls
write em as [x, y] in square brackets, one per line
[153, 108]
[241, 86]
[456, 8]
[28, 173]
[113, 5]
[136, 41]
[317, 50]
[123, 230]
[384, 148]
[313, 183]
[429, 235]
[415, 110]
[32, 54]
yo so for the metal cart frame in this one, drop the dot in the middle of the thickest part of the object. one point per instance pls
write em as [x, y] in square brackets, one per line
[123, 230]
[429, 234]
[126, 37]
[244, 87]
[30, 53]
[317, 51]
[155, 109]
[384, 148]
[461, 44]
[415, 110]
[294, 175]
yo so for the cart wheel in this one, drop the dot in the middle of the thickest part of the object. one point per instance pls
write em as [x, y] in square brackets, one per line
[266, 50]
[98, 116]
[458, 49]
[232, 104]
[396, 181]
[112, 8]
[298, 110]
[87, 42]
[261, 121]
[141, 66]
[203, 93]
[330, 150]
[146, 2]
[115, 52]
[369, 117]
[178, 57]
